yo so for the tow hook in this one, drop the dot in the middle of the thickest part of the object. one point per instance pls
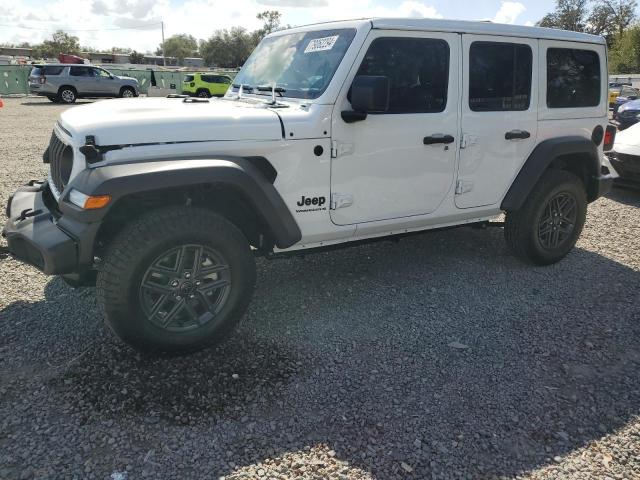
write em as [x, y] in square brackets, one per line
[27, 213]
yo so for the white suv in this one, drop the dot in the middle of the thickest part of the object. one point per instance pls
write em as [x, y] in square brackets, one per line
[331, 134]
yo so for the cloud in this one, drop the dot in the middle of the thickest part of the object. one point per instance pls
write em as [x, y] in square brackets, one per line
[509, 12]
[200, 18]
[293, 3]
[99, 7]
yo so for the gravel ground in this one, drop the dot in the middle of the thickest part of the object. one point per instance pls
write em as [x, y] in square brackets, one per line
[440, 356]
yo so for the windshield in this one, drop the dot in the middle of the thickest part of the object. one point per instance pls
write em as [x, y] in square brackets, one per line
[301, 65]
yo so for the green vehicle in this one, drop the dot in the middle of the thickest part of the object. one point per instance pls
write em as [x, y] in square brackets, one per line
[205, 85]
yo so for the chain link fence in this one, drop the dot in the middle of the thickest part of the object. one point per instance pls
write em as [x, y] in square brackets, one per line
[14, 79]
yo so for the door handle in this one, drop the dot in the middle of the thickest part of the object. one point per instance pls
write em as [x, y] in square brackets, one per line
[516, 134]
[438, 138]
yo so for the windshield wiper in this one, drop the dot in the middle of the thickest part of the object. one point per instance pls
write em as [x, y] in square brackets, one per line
[242, 87]
[273, 89]
[268, 88]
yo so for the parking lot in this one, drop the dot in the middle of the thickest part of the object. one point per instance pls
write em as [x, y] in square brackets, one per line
[440, 356]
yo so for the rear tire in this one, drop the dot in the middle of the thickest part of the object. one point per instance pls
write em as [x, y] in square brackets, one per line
[176, 280]
[67, 95]
[550, 222]
[203, 93]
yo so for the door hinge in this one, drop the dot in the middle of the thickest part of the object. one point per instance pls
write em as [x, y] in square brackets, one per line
[468, 140]
[339, 149]
[340, 200]
[463, 187]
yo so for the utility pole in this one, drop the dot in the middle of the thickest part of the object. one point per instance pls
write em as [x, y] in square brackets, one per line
[164, 58]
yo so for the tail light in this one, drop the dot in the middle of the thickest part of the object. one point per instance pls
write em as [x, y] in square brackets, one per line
[609, 137]
[43, 80]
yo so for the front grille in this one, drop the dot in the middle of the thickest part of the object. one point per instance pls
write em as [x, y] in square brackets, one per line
[60, 157]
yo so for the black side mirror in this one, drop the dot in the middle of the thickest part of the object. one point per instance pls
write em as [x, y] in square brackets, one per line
[369, 94]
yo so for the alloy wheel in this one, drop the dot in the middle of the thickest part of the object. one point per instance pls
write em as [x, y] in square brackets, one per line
[185, 288]
[558, 221]
[68, 96]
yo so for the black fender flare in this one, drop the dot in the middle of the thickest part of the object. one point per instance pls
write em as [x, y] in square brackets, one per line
[120, 180]
[542, 156]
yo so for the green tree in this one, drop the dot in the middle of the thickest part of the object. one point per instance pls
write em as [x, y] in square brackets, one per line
[179, 46]
[271, 20]
[136, 57]
[600, 21]
[568, 15]
[624, 56]
[61, 42]
[228, 48]
[622, 13]
[599, 17]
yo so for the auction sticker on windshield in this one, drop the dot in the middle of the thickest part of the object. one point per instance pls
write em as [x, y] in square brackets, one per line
[321, 44]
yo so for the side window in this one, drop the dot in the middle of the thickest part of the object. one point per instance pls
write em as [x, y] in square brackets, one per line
[573, 78]
[81, 72]
[499, 76]
[98, 72]
[418, 72]
[208, 78]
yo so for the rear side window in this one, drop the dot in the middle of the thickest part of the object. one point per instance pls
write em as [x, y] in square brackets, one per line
[188, 78]
[46, 70]
[418, 72]
[53, 70]
[499, 77]
[573, 78]
[209, 78]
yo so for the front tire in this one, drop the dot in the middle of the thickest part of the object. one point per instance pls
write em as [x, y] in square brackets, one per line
[53, 98]
[550, 222]
[127, 92]
[176, 280]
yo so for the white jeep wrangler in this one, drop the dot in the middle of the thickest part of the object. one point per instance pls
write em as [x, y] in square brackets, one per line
[331, 133]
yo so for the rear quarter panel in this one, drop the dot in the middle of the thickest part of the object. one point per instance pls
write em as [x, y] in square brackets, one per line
[559, 122]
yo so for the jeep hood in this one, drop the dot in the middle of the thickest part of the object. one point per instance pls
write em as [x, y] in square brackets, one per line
[163, 120]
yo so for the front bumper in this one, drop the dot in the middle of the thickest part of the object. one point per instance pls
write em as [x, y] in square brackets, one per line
[37, 234]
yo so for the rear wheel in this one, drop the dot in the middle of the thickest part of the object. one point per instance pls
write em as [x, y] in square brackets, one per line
[175, 280]
[202, 93]
[67, 95]
[550, 222]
